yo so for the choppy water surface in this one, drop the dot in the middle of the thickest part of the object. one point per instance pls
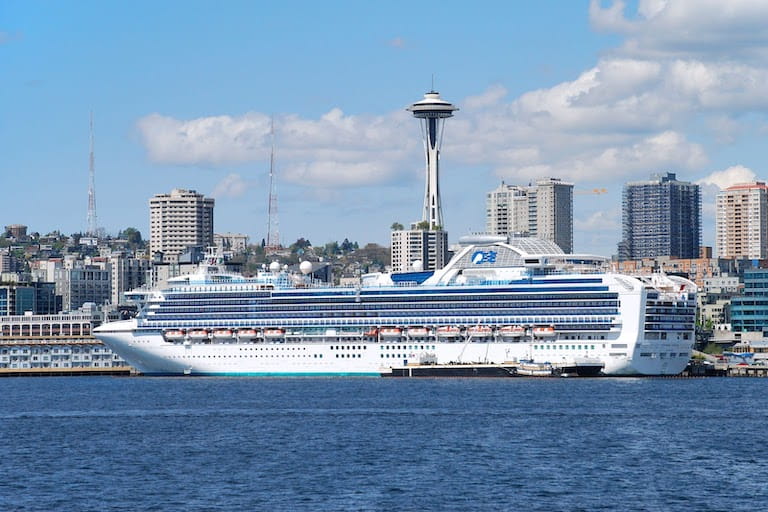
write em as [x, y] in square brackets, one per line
[101, 443]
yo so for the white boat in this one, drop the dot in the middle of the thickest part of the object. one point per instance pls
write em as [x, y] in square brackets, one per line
[532, 369]
[174, 334]
[512, 331]
[448, 331]
[246, 334]
[640, 325]
[222, 334]
[390, 332]
[544, 332]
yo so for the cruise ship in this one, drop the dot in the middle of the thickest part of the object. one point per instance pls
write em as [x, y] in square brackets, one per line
[499, 300]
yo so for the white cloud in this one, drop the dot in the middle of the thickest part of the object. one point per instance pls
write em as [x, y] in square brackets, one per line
[231, 186]
[710, 28]
[598, 221]
[208, 140]
[631, 114]
[728, 177]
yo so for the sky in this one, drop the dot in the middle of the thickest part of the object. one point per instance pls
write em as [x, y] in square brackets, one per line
[597, 93]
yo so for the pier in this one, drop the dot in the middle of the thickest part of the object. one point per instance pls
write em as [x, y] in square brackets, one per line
[66, 372]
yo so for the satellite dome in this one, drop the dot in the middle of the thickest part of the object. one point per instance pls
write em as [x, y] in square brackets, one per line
[417, 266]
[274, 266]
[305, 267]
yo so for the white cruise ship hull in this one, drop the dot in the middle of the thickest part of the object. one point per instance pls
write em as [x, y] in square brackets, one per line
[150, 354]
[492, 304]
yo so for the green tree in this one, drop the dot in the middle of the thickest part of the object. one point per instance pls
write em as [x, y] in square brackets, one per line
[396, 226]
[133, 236]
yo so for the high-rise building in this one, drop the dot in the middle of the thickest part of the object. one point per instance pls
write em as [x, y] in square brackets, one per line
[426, 241]
[661, 217]
[127, 273]
[544, 211]
[742, 221]
[419, 249]
[178, 220]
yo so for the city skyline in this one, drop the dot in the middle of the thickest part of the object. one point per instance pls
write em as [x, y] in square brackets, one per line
[596, 93]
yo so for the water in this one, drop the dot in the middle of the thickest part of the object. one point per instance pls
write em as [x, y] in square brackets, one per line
[106, 443]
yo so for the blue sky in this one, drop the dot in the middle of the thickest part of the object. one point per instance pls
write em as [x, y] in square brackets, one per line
[597, 93]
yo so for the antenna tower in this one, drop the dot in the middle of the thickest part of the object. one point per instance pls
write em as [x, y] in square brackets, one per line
[273, 230]
[92, 223]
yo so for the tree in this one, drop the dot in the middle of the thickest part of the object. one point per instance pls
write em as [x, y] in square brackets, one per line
[300, 244]
[133, 236]
[347, 246]
[396, 226]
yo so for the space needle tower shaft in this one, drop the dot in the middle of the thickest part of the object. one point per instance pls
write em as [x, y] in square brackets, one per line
[432, 112]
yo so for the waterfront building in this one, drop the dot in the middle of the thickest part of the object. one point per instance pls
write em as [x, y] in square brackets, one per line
[543, 211]
[48, 342]
[178, 220]
[714, 300]
[661, 217]
[29, 297]
[742, 221]
[749, 311]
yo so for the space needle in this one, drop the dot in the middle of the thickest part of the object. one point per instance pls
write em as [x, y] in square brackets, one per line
[432, 111]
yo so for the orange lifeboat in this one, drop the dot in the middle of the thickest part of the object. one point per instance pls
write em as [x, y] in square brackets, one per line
[373, 331]
[198, 334]
[417, 332]
[390, 332]
[174, 334]
[512, 331]
[448, 331]
[274, 333]
[222, 333]
[479, 331]
[544, 332]
[246, 334]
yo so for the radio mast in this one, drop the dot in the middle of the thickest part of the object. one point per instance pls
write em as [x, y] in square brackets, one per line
[273, 230]
[93, 229]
